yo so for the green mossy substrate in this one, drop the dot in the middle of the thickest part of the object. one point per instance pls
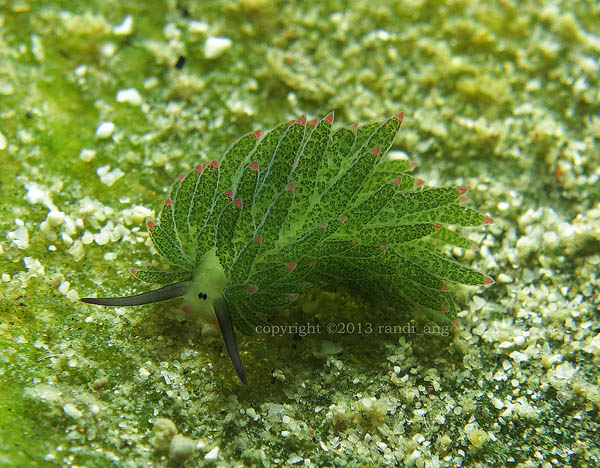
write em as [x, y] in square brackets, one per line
[103, 104]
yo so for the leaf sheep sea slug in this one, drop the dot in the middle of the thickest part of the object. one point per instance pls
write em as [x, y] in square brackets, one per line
[305, 207]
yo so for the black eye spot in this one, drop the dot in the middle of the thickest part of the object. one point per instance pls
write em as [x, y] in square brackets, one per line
[180, 62]
[205, 297]
[202, 296]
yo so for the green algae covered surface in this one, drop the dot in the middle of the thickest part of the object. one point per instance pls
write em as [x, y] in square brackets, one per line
[104, 104]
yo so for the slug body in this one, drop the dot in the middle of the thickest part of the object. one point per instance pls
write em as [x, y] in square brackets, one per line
[305, 207]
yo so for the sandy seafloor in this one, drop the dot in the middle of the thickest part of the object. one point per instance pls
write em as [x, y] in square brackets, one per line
[97, 118]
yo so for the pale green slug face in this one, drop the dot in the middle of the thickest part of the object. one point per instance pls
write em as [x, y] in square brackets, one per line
[306, 206]
[208, 284]
[202, 300]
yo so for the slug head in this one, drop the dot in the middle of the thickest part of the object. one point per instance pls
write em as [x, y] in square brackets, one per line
[202, 299]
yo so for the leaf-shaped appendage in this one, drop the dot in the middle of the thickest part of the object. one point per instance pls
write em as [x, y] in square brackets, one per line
[304, 207]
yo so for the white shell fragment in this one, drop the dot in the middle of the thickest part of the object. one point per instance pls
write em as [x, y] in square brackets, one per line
[105, 130]
[19, 237]
[55, 218]
[39, 194]
[212, 455]
[197, 27]
[125, 28]
[86, 155]
[71, 410]
[130, 96]
[215, 46]
[181, 448]
[108, 177]
[34, 266]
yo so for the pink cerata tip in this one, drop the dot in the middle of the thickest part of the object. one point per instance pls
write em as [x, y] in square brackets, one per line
[134, 271]
[400, 116]
[376, 150]
[487, 220]
[461, 190]
[169, 202]
[254, 165]
[215, 164]
[313, 122]
[301, 120]
[329, 117]
[151, 224]
[198, 169]
[488, 280]
[257, 133]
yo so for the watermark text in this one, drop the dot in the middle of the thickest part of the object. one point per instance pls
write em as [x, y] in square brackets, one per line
[352, 328]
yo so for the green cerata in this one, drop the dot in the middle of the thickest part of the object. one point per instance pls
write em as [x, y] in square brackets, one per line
[303, 207]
